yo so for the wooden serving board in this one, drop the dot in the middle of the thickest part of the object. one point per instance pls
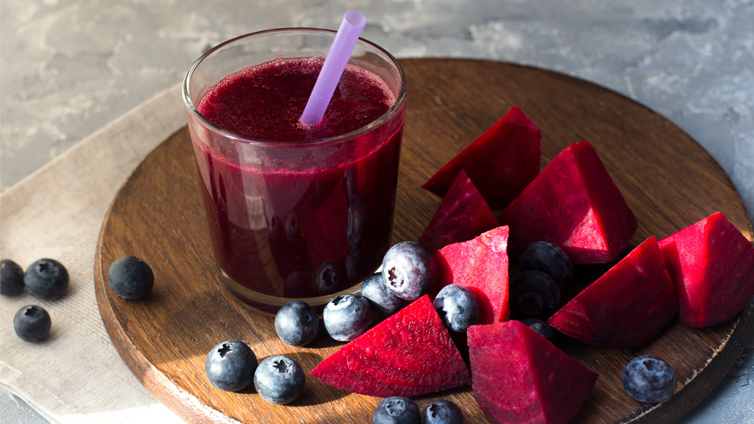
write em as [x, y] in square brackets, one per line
[667, 178]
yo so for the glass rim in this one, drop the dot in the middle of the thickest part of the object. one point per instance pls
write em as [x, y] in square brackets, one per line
[400, 100]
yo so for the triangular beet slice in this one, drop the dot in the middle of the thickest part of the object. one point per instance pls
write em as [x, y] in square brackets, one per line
[574, 204]
[712, 266]
[463, 214]
[408, 354]
[625, 307]
[501, 162]
[520, 377]
[481, 264]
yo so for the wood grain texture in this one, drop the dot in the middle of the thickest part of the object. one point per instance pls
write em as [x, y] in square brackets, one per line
[668, 180]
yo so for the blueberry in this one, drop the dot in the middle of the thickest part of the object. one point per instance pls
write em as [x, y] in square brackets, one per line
[347, 317]
[533, 294]
[32, 323]
[356, 264]
[397, 410]
[443, 412]
[331, 277]
[46, 279]
[649, 379]
[230, 365]
[458, 307]
[279, 380]
[296, 323]
[550, 259]
[130, 277]
[409, 270]
[382, 300]
[540, 327]
[11, 278]
[356, 221]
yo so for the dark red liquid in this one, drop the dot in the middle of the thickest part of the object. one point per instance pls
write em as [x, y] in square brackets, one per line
[321, 223]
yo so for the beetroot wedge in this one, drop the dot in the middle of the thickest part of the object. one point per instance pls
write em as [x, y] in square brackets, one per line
[574, 204]
[501, 162]
[625, 307]
[712, 266]
[480, 264]
[520, 377]
[408, 354]
[463, 214]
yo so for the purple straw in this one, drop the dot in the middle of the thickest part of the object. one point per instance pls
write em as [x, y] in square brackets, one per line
[335, 64]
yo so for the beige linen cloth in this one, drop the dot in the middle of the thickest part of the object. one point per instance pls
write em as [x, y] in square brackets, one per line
[75, 375]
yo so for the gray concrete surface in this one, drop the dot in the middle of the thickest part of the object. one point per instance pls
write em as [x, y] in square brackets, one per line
[68, 67]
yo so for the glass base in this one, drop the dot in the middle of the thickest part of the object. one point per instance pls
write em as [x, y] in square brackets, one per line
[266, 304]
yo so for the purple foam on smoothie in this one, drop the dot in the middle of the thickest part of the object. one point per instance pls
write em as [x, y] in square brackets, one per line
[264, 102]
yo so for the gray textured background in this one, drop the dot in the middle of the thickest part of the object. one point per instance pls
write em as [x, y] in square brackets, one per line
[68, 67]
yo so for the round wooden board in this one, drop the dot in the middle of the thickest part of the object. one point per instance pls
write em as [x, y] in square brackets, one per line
[668, 180]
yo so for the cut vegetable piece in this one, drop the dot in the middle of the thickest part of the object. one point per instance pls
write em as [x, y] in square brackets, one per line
[501, 162]
[520, 377]
[408, 354]
[625, 307]
[574, 204]
[712, 266]
[462, 215]
[480, 264]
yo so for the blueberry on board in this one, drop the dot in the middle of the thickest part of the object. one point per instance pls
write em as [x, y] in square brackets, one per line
[296, 323]
[382, 300]
[397, 410]
[347, 317]
[443, 412]
[230, 365]
[279, 380]
[540, 327]
[548, 258]
[46, 279]
[11, 278]
[458, 307]
[533, 294]
[409, 270]
[32, 323]
[130, 277]
[331, 277]
[649, 379]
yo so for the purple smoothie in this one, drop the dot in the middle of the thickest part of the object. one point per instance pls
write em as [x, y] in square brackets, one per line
[303, 226]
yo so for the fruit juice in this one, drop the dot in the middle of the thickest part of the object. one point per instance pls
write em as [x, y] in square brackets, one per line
[312, 226]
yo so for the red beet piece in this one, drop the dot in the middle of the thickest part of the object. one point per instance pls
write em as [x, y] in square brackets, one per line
[625, 307]
[574, 204]
[480, 264]
[520, 377]
[408, 354]
[501, 162]
[462, 215]
[712, 266]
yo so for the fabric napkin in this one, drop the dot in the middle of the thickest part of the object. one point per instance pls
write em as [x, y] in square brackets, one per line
[76, 375]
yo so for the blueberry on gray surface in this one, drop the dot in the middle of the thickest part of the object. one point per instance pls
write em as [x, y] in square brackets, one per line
[409, 270]
[381, 299]
[296, 323]
[458, 307]
[331, 277]
[11, 278]
[32, 323]
[347, 317]
[540, 327]
[130, 277]
[443, 412]
[46, 279]
[533, 294]
[230, 365]
[649, 379]
[397, 410]
[279, 380]
[550, 259]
